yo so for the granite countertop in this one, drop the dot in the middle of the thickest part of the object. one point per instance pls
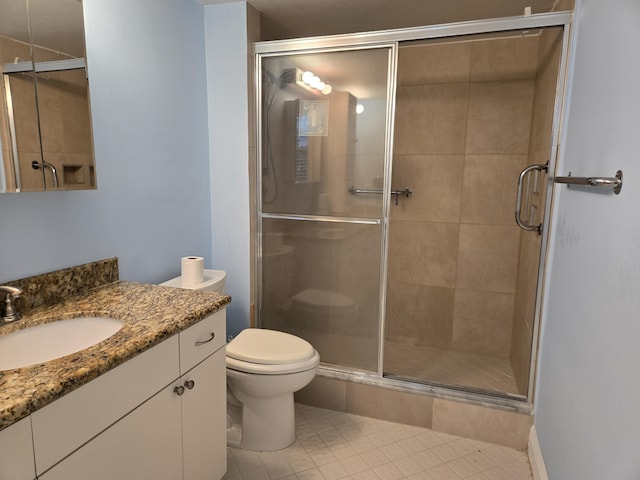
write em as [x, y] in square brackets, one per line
[151, 314]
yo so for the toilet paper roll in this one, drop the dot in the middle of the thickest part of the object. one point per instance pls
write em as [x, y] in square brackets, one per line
[192, 270]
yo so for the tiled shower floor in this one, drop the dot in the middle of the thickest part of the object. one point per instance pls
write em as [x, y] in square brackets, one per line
[335, 445]
[449, 367]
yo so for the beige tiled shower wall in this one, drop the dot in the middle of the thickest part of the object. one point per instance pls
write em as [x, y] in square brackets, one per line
[463, 122]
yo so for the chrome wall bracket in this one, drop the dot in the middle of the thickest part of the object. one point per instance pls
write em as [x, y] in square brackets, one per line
[614, 182]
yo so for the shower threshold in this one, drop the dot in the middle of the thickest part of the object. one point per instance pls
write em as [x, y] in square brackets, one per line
[515, 403]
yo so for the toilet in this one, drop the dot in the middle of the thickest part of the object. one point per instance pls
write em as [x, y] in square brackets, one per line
[264, 369]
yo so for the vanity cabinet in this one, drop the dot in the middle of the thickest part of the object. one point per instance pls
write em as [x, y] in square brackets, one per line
[16, 452]
[204, 420]
[145, 444]
[177, 431]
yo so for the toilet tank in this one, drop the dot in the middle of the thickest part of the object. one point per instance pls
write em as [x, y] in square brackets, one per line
[213, 282]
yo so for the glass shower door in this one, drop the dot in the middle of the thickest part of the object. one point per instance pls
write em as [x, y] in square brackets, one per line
[471, 113]
[324, 141]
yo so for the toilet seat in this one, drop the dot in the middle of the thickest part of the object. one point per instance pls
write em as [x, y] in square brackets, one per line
[279, 369]
[262, 351]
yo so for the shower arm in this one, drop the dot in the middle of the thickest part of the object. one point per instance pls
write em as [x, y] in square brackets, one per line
[36, 166]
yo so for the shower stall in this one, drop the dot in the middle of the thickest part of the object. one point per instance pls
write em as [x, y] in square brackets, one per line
[390, 165]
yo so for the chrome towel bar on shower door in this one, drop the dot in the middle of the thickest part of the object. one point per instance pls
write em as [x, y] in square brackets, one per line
[405, 193]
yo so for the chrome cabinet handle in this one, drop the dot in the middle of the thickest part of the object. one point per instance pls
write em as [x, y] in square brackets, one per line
[189, 384]
[202, 342]
[179, 390]
[521, 223]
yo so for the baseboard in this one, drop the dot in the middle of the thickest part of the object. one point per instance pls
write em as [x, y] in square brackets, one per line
[538, 468]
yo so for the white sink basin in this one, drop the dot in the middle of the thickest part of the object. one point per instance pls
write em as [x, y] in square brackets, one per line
[42, 343]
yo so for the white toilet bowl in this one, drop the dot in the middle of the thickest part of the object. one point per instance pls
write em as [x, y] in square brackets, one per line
[264, 369]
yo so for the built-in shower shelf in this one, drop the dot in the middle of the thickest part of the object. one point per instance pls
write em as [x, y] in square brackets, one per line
[73, 175]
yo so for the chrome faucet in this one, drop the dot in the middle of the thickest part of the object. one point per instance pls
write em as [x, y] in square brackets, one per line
[9, 312]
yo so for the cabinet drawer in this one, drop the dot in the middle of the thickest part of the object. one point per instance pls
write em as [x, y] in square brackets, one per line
[66, 424]
[202, 339]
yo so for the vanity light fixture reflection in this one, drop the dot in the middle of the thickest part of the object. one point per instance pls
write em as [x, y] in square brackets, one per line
[312, 82]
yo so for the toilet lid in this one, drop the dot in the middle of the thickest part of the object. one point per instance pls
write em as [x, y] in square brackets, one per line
[269, 347]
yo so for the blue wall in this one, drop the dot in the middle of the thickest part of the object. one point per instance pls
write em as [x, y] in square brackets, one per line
[588, 400]
[227, 71]
[148, 99]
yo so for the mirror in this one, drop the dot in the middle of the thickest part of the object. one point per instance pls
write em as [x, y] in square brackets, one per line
[45, 124]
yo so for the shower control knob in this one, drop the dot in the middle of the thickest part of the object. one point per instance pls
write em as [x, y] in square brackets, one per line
[179, 390]
[189, 384]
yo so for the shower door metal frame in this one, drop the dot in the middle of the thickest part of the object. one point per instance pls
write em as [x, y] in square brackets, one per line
[392, 38]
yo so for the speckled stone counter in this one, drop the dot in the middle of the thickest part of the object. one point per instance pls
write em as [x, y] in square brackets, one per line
[151, 313]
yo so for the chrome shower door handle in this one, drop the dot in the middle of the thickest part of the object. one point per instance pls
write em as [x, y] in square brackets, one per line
[44, 165]
[521, 223]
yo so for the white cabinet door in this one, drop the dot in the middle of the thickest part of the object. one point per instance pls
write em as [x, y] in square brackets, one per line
[144, 445]
[204, 417]
[66, 424]
[16, 452]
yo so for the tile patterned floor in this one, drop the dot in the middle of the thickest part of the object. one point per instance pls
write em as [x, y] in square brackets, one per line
[449, 367]
[333, 445]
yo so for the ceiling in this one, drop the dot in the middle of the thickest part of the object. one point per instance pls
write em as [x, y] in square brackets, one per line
[353, 72]
[55, 24]
[59, 26]
[281, 19]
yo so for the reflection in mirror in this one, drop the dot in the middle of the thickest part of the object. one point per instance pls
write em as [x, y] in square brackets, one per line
[323, 132]
[17, 100]
[45, 127]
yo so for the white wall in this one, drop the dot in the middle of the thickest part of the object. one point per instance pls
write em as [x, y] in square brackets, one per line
[588, 400]
[226, 60]
[148, 90]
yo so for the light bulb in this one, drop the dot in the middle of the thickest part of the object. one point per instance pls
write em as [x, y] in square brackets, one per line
[315, 81]
[307, 76]
[359, 108]
[327, 89]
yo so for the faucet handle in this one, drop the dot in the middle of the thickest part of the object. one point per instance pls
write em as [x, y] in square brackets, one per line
[10, 314]
[13, 291]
